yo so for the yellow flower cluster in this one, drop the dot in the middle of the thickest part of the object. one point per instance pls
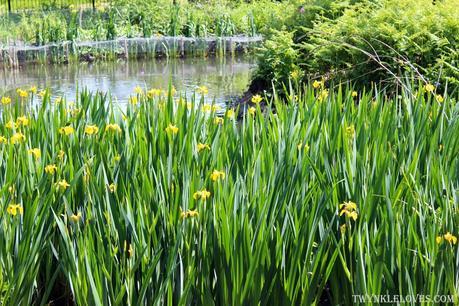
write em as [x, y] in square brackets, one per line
[133, 100]
[189, 214]
[50, 169]
[447, 237]
[256, 99]
[207, 108]
[138, 90]
[202, 194]
[154, 93]
[172, 129]
[316, 84]
[74, 111]
[429, 88]
[6, 100]
[67, 130]
[14, 209]
[322, 95]
[17, 138]
[350, 130]
[230, 113]
[22, 93]
[216, 175]
[349, 209]
[11, 125]
[301, 146]
[75, 218]
[112, 187]
[295, 74]
[203, 90]
[218, 120]
[91, 130]
[202, 146]
[113, 127]
[63, 185]
[22, 121]
[35, 152]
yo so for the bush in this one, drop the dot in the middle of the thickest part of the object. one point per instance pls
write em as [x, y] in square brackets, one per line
[306, 13]
[277, 60]
[367, 42]
[384, 40]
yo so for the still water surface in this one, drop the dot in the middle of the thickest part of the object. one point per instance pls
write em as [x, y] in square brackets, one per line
[225, 78]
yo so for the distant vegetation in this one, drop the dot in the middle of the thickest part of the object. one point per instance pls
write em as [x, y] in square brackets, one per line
[140, 18]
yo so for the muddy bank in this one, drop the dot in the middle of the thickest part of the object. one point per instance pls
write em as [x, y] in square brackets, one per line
[256, 86]
[154, 47]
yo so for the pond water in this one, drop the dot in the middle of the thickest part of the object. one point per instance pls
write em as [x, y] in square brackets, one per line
[225, 78]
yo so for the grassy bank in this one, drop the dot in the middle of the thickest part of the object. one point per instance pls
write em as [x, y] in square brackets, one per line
[335, 193]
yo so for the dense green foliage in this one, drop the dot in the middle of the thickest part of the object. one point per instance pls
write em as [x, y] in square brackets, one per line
[142, 18]
[379, 41]
[278, 60]
[313, 196]
[135, 226]
[389, 39]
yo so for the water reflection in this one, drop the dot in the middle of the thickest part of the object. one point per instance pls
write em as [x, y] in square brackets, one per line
[225, 78]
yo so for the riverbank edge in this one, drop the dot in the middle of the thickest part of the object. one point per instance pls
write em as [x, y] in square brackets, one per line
[127, 48]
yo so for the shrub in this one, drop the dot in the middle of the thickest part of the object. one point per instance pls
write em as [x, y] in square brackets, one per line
[277, 60]
[378, 41]
[384, 40]
[306, 13]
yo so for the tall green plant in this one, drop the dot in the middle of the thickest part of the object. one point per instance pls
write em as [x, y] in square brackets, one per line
[322, 195]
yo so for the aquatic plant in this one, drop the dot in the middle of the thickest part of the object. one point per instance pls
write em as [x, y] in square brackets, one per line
[140, 18]
[165, 201]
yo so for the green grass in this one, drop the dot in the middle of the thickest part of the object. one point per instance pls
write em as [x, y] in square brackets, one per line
[270, 232]
[20, 5]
